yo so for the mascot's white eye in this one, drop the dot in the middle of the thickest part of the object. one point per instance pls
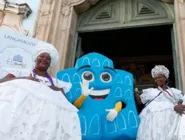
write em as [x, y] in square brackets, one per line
[88, 76]
[106, 77]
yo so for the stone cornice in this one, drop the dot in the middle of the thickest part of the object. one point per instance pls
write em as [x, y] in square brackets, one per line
[22, 9]
[83, 5]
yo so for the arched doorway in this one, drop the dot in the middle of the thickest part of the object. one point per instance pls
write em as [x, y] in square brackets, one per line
[138, 33]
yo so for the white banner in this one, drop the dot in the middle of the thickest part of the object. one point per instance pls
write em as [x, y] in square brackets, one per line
[16, 52]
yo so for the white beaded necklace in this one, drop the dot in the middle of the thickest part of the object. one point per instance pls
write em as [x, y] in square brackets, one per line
[172, 99]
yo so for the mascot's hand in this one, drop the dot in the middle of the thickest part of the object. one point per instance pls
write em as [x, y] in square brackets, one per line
[112, 114]
[85, 88]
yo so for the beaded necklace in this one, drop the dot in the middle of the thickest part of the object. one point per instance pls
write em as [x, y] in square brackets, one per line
[47, 76]
[171, 97]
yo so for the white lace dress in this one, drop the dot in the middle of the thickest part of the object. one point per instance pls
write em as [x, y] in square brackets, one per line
[32, 111]
[157, 118]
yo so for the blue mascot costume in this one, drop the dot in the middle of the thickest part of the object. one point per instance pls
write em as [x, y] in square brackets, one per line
[104, 97]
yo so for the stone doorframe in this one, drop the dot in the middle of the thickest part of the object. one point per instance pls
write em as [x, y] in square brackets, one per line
[57, 20]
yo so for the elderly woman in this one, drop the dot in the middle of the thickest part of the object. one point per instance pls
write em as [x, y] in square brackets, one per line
[158, 115]
[33, 106]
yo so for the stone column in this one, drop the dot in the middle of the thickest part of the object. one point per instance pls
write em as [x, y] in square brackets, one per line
[180, 24]
[56, 24]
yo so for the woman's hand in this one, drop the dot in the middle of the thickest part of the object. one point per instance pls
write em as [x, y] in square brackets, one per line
[57, 89]
[12, 77]
[28, 78]
[179, 108]
[32, 78]
[137, 97]
[180, 101]
[7, 78]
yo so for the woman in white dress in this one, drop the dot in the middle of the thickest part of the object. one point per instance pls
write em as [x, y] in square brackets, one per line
[158, 115]
[33, 106]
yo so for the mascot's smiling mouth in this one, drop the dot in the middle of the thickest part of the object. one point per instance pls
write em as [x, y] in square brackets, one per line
[99, 94]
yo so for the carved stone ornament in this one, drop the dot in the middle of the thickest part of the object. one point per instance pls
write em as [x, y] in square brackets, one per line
[66, 3]
[12, 15]
[66, 11]
[67, 6]
[22, 9]
[182, 1]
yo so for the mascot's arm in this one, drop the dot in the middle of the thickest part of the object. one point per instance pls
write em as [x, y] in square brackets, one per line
[114, 112]
[78, 103]
[85, 92]
[118, 106]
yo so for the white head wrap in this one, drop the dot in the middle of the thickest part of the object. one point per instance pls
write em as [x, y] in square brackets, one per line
[47, 48]
[160, 69]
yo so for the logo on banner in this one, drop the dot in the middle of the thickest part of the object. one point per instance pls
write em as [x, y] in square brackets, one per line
[16, 61]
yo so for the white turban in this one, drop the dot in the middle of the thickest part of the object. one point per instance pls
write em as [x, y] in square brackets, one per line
[47, 48]
[160, 69]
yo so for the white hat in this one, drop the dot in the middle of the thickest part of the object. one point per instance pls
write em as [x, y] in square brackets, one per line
[160, 69]
[48, 48]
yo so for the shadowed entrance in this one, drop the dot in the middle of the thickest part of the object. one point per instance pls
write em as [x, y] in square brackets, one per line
[136, 50]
